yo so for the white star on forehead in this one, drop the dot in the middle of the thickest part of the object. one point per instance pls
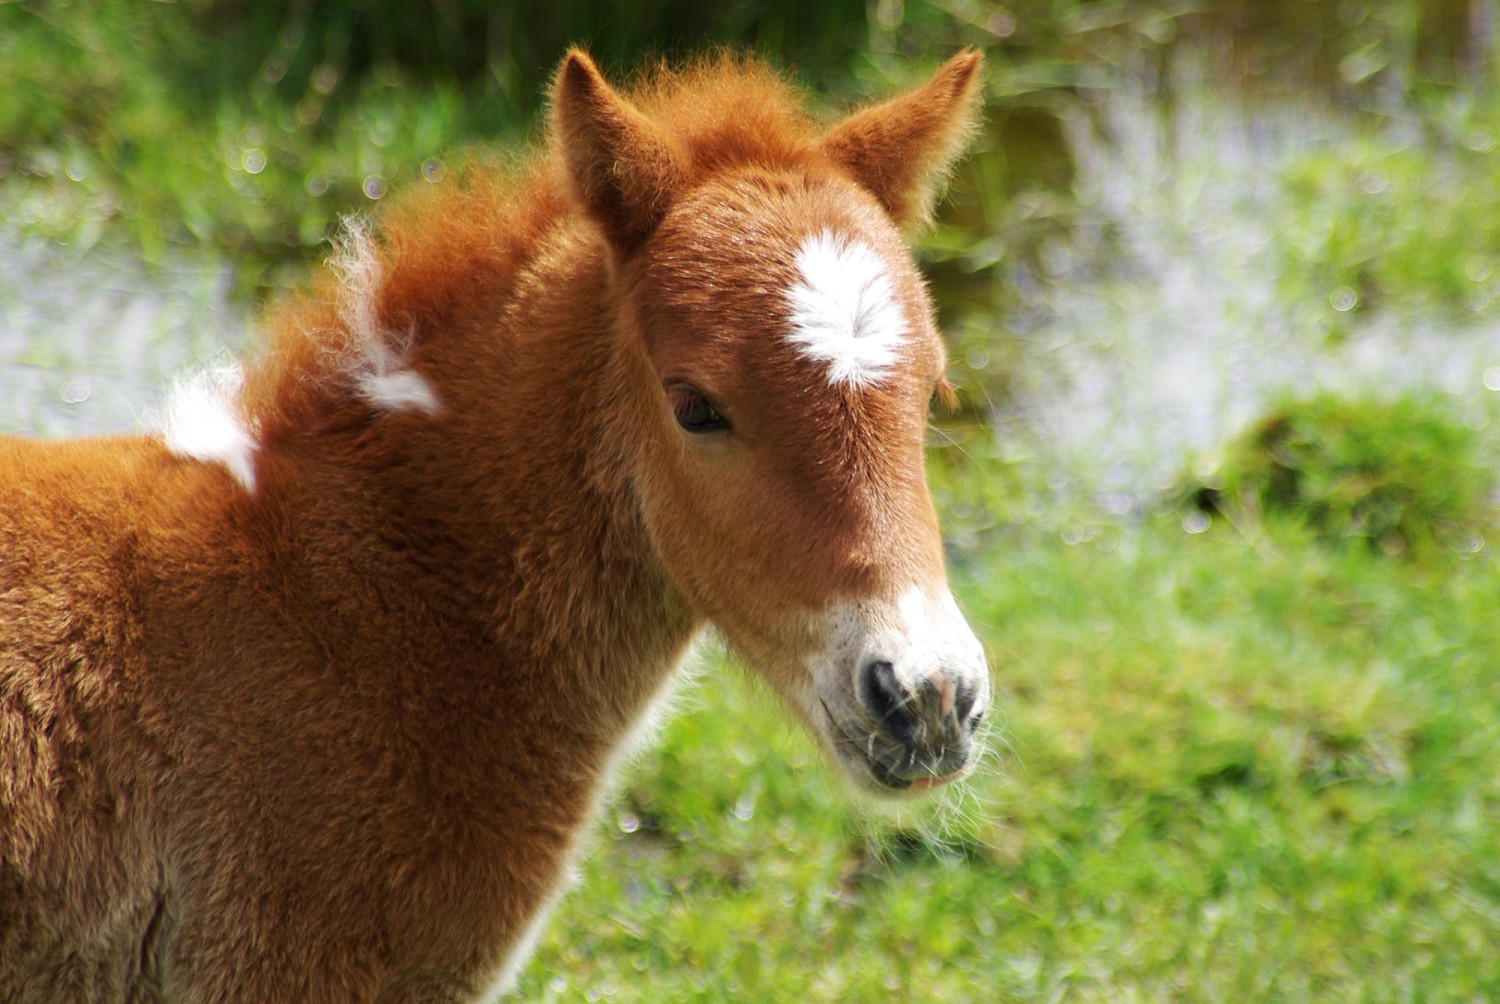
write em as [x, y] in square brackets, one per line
[844, 311]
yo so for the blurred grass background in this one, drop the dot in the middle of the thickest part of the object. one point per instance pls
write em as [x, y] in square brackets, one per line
[1220, 286]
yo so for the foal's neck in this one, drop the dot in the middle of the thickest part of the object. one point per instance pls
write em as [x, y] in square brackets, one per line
[511, 513]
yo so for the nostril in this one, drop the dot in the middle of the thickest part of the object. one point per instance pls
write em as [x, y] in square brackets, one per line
[884, 699]
[968, 693]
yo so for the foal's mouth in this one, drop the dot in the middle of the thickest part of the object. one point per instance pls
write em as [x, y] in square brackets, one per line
[893, 766]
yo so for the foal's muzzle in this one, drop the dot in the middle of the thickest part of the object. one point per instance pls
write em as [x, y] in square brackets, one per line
[903, 685]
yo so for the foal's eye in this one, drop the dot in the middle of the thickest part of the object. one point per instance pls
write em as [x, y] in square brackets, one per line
[693, 411]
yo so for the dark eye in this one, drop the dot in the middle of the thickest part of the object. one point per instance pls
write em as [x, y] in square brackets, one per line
[693, 411]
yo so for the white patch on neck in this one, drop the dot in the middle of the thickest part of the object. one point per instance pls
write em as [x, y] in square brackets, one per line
[397, 391]
[378, 364]
[202, 421]
[844, 311]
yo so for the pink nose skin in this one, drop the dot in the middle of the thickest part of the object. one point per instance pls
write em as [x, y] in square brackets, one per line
[947, 692]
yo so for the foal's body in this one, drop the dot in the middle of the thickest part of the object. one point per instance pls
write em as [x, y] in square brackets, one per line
[311, 697]
[427, 808]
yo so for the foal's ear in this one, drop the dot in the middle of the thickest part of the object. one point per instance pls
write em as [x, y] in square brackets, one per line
[900, 149]
[622, 167]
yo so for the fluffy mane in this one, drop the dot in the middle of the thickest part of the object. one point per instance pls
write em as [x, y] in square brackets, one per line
[435, 258]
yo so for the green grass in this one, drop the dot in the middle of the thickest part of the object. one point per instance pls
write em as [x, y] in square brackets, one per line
[1226, 771]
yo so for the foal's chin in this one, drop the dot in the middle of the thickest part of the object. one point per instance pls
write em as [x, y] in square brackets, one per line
[872, 780]
[873, 766]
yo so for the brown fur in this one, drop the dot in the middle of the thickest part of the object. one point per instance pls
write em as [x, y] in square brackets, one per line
[335, 739]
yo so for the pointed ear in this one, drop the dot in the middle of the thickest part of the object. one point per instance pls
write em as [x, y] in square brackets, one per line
[901, 149]
[622, 167]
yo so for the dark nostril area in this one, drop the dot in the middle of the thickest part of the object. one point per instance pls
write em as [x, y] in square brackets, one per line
[884, 699]
[963, 704]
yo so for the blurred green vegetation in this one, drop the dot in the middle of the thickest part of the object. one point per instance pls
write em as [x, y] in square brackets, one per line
[1418, 226]
[1229, 765]
[1401, 475]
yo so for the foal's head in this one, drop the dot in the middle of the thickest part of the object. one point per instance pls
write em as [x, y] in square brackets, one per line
[785, 355]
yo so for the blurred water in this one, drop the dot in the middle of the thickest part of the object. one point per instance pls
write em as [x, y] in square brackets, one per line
[88, 341]
[1156, 331]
